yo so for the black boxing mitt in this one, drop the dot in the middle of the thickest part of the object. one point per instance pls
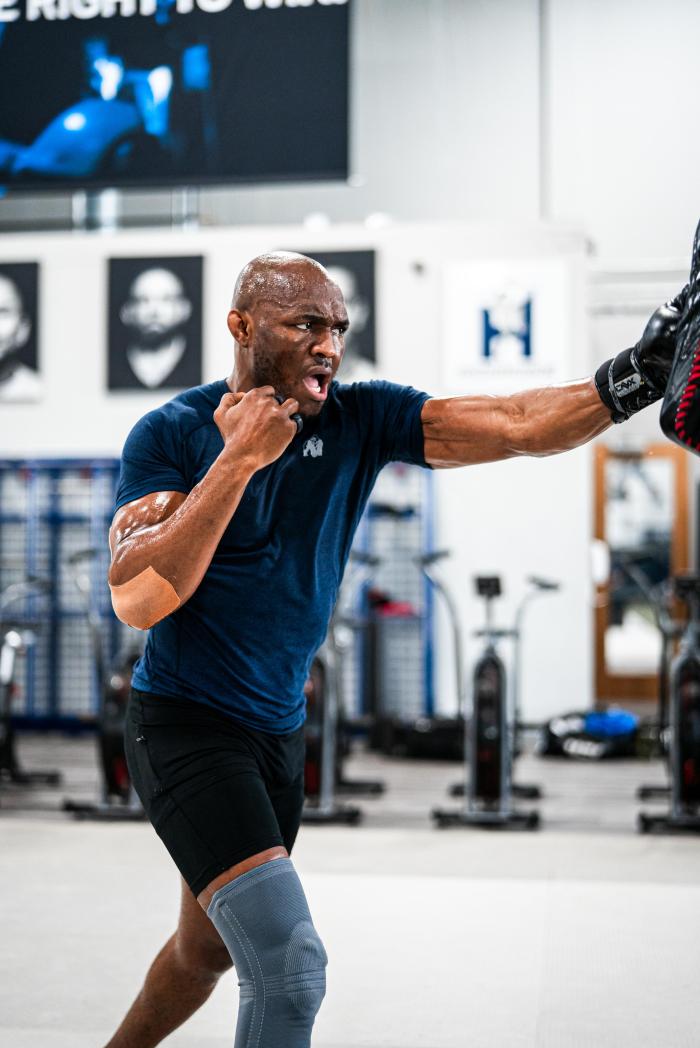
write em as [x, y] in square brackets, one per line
[680, 411]
[638, 377]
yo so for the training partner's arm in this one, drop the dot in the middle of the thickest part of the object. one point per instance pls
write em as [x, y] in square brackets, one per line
[462, 431]
[163, 543]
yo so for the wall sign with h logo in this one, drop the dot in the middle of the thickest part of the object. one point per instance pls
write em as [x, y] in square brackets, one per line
[507, 324]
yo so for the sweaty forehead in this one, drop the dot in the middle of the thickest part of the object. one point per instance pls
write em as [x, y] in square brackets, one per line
[302, 289]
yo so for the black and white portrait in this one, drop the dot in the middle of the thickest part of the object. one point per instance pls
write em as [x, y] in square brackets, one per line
[155, 323]
[19, 355]
[353, 272]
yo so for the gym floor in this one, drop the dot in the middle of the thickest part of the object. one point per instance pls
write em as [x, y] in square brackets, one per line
[582, 935]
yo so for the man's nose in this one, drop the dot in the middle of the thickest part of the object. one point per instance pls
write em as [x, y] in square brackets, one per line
[325, 345]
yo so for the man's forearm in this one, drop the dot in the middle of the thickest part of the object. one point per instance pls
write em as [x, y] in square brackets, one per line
[559, 418]
[460, 431]
[176, 551]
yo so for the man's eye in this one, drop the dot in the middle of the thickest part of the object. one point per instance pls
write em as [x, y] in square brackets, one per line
[340, 329]
[306, 326]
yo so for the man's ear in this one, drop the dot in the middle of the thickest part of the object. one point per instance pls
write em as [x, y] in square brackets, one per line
[239, 324]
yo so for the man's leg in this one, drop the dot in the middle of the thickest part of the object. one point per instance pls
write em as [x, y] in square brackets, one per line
[178, 982]
[260, 911]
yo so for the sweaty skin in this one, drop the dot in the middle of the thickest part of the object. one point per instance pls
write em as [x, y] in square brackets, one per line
[464, 431]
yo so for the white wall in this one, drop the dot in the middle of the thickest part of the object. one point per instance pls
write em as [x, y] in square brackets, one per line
[623, 84]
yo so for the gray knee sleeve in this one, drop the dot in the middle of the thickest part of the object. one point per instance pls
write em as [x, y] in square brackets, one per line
[263, 918]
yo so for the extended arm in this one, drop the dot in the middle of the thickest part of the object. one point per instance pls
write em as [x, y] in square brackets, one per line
[163, 543]
[460, 431]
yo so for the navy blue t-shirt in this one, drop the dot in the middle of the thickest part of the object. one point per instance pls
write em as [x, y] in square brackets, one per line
[244, 641]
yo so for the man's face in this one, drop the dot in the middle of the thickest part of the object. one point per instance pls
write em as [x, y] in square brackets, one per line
[156, 308]
[14, 326]
[296, 338]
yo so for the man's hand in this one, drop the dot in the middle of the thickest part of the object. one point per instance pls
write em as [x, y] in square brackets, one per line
[637, 377]
[256, 426]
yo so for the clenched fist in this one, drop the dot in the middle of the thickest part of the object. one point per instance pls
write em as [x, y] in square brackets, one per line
[256, 425]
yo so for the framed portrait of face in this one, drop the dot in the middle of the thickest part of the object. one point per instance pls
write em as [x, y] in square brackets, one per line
[20, 380]
[353, 272]
[154, 326]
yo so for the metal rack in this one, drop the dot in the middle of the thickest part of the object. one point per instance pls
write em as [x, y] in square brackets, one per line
[390, 668]
[49, 508]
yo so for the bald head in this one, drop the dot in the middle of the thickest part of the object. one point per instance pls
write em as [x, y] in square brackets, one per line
[288, 320]
[277, 276]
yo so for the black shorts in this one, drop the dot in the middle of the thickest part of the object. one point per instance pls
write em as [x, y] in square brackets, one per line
[215, 791]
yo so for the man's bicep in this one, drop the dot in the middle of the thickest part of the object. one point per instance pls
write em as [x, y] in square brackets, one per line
[143, 513]
[462, 431]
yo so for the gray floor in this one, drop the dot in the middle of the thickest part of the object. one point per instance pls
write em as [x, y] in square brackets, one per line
[583, 935]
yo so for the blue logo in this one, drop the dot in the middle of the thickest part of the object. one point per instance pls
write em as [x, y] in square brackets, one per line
[507, 327]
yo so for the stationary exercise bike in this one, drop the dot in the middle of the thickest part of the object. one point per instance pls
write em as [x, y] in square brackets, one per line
[323, 771]
[15, 639]
[660, 599]
[537, 586]
[118, 800]
[489, 737]
[684, 723]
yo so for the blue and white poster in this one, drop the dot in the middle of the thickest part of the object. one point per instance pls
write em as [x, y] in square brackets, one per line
[506, 324]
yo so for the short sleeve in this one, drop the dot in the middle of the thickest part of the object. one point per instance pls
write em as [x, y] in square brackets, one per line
[397, 412]
[150, 460]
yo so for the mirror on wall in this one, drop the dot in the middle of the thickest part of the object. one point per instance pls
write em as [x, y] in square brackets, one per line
[641, 511]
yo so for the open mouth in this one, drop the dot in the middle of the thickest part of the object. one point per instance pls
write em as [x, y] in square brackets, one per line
[316, 382]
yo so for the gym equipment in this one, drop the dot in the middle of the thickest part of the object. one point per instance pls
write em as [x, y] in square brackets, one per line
[538, 586]
[660, 598]
[323, 771]
[680, 410]
[48, 509]
[118, 801]
[15, 639]
[590, 734]
[488, 738]
[684, 723]
[437, 736]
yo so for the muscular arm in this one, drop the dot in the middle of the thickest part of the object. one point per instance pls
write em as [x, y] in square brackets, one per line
[463, 431]
[162, 544]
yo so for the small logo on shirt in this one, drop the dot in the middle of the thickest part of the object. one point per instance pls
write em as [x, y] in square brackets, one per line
[313, 447]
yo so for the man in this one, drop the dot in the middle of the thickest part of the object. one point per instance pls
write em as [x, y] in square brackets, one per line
[18, 382]
[229, 544]
[155, 315]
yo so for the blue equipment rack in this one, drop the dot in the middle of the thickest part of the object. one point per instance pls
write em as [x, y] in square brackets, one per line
[49, 509]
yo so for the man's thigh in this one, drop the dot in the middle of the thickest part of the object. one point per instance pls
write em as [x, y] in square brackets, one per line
[211, 794]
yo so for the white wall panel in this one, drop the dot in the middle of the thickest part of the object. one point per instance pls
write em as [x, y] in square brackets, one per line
[623, 79]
